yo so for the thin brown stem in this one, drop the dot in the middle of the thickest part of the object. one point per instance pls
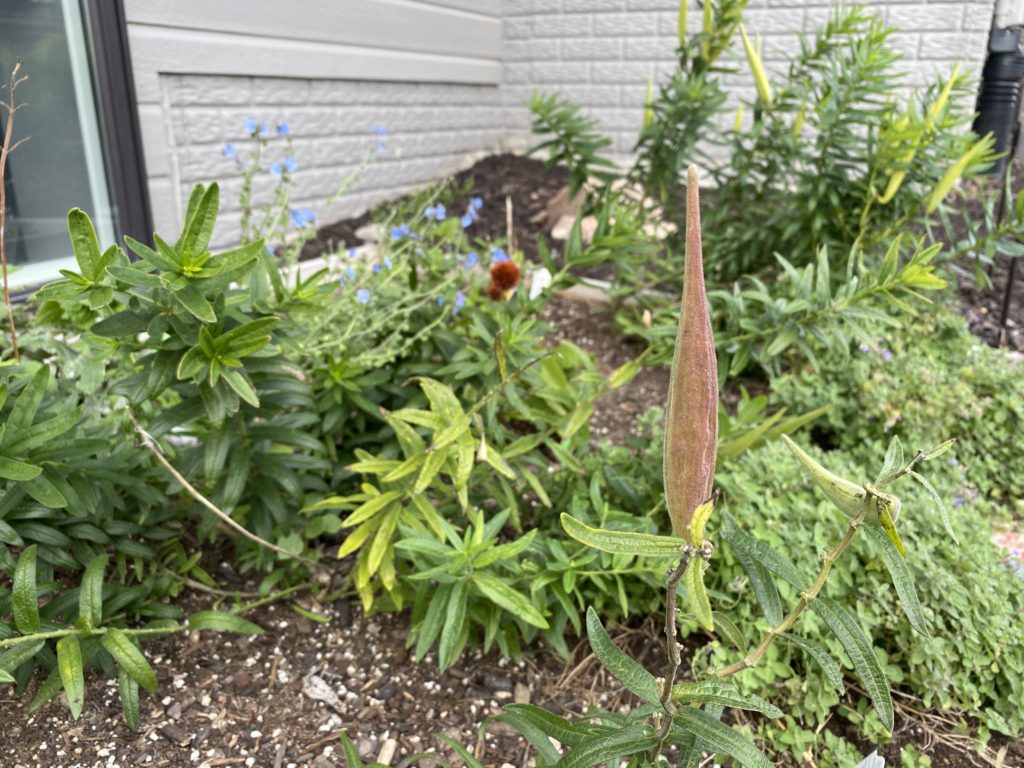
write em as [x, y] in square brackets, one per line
[806, 597]
[5, 149]
[672, 642]
[151, 444]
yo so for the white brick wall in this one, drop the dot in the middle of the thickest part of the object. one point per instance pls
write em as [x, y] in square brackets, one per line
[435, 130]
[614, 45]
[448, 81]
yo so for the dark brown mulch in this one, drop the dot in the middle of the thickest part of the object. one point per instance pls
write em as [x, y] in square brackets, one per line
[523, 179]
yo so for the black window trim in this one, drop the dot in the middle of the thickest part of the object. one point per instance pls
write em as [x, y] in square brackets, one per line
[108, 32]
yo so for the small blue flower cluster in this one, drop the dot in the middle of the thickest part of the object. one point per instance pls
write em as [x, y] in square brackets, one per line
[435, 212]
[303, 216]
[382, 136]
[402, 231]
[1016, 563]
[471, 260]
[472, 212]
[457, 305]
[498, 255]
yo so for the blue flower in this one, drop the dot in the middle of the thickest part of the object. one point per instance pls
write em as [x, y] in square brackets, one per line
[275, 169]
[376, 268]
[269, 248]
[886, 355]
[958, 502]
[351, 252]
[435, 212]
[251, 125]
[387, 262]
[290, 164]
[264, 129]
[230, 150]
[382, 135]
[303, 216]
[440, 301]
[865, 348]
[465, 221]
[363, 296]
[351, 272]
[283, 129]
[476, 203]
[402, 230]
[498, 255]
[473, 215]
[460, 302]
[471, 260]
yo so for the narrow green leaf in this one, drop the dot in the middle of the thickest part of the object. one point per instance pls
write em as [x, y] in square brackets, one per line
[723, 694]
[84, 243]
[720, 738]
[467, 757]
[69, 662]
[239, 381]
[725, 627]
[433, 621]
[607, 747]
[17, 655]
[45, 492]
[191, 299]
[558, 728]
[756, 550]
[51, 686]
[938, 503]
[455, 617]
[18, 471]
[534, 735]
[901, 577]
[125, 653]
[6, 677]
[893, 459]
[697, 595]
[820, 655]
[500, 593]
[24, 598]
[90, 595]
[219, 621]
[349, 752]
[622, 542]
[128, 689]
[862, 655]
[625, 669]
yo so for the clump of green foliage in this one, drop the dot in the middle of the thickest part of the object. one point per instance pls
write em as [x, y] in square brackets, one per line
[932, 378]
[820, 178]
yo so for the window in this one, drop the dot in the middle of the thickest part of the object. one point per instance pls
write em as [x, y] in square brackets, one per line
[78, 106]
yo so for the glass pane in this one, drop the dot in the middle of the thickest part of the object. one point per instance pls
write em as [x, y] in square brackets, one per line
[61, 165]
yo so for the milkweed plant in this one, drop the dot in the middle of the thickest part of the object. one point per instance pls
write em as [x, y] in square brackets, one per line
[687, 718]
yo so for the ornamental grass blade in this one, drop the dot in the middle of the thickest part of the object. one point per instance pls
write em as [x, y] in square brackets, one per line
[720, 738]
[623, 667]
[902, 579]
[862, 656]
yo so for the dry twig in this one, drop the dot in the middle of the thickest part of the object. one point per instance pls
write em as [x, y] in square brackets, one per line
[6, 148]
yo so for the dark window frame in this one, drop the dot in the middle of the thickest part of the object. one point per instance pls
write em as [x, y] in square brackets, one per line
[119, 116]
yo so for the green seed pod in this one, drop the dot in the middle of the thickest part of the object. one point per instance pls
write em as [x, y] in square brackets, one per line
[691, 418]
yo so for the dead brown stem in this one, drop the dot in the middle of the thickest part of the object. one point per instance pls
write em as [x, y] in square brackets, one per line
[6, 148]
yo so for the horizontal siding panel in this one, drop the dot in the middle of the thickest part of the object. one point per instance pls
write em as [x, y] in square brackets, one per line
[185, 51]
[482, 7]
[386, 24]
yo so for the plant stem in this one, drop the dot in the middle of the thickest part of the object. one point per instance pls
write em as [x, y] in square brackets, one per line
[672, 643]
[5, 149]
[151, 444]
[805, 600]
[10, 642]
